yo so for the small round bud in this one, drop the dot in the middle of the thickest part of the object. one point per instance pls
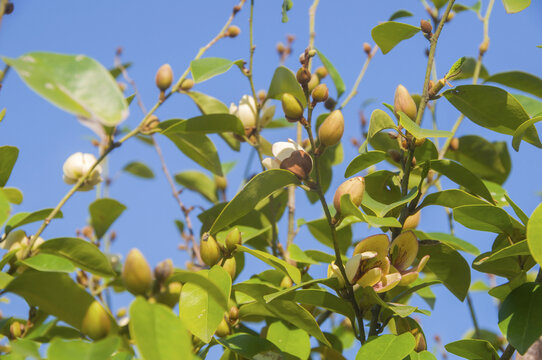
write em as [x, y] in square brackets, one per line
[355, 187]
[122, 312]
[450, 17]
[96, 323]
[330, 104]
[221, 182]
[281, 48]
[292, 107]
[419, 142]
[210, 251]
[299, 163]
[236, 9]
[187, 85]
[290, 37]
[413, 162]
[150, 125]
[302, 58]
[312, 53]
[286, 282]
[163, 270]
[321, 72]
[412, 221]
[454, 144]
[303, 76]
[261, 95]
[315, 80]
[77, 166]
[320, 93]
[404, 102]
[426, 27]
[395, 155]
[164, 77]
[367, 48]
[233, 31]
[234, 314]
[9, 8]
[136, 273]
[484, 46]
[15, 330]
[223, 329]
[87, 232]
[230, 265]
[233, 239]
[331, 130]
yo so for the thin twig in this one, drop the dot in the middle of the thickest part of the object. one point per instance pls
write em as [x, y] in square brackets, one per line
[354, 90]
[508, 352]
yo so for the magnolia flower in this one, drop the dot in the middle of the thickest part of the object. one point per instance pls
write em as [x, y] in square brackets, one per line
[77, 166]
[246, 112]
[403, 251]
[333, 271]
[290, 156]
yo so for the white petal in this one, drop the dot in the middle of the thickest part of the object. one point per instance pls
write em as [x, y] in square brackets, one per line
[246, 111]
[282, 150]
[267, 113]
[271, 163]
[72, 167]
[233, 109]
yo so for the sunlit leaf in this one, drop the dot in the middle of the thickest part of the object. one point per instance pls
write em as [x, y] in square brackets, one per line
[534, 234]
[389, 347]
[333, 73]
[284, 81]
[103, 213]
[8, 157]
[138, 169]
[388, 34]
[206, 68]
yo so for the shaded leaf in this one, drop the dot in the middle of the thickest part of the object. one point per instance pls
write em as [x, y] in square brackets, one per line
[333, 73]
[284, 81]
[275, 262]
[138, 169]
[204, 124]
[522, 129]
[250, 346]
[451, 198]
[487, 218]
[363, 161]
[60, 349]
[518, 80]
[417, 131]
[473, 349]
[8, 157]
[198, 182]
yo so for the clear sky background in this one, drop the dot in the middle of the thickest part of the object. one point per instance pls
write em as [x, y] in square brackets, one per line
[157, 32]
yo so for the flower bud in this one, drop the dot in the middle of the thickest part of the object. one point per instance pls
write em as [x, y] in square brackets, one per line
[96, 323]
[355, 187]
[419, 142]
[450, 17]
[77, 166]
[286, 282]
[164, 77]
[303, 76]
[230, 265]
[136, 273]
[233, 239]
[315, 80]
[454, 144]
[367, 48]
[331, 130]
[170, 296]
[321, 72]
[312, 53]
[221, 182]
[187, 84]
[320, 93]
[404, 102]
[412, 221]
[233, 31]
[9, 8]
[334, 271]
[246, 111]
[261, 95]
[281, 48]
[234, 314]
[223, 329]
[426, 26]
[122, 312]
[210, 251]
[292, 107]
[15, 330]
[299, 163]
[163, 270]
[330, 104]
[150, 125]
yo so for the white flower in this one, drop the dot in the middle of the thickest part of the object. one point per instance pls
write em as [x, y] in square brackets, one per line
[77, 166]
[246, 112]
[301, 165]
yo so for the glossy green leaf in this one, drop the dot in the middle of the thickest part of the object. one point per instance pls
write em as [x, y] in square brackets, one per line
[8, 157]
[518, 80]
[492, 108]
[455, 70]
[204, 124]
[349, 209]
[200, 312]
[422, 355]
[333, 74]
[379, 121]
[514, 6]
[520, 316]
[198, 182]
[75, 83]
[256, 190]
[517, 249]
[284, 81]
[54, 293]
[81, 253]
[296, 254]
[319, 228]
[522, 129]
[473, 349]
[5, 278]
[158, 332]
[451, 198]
[517, 210]
[331, 282]
[275, 262]
[49, 262]
[507, 267]
[208, 104]
[387, 347]
[103, 213]
[206, 68]
[290, 340]
[198, 148]
[451, 240]
[13, 195]
[461, 176]
[400, 14]
[532, 106]
[24, 218]
[417, 131]
[138, 169]
[448, 266]
[363, 161]
[251, 346]
[487, 218]
[5, 208]
[388, 34]
[201, 279]
[534, 234]
[61, 349]
[23, 349]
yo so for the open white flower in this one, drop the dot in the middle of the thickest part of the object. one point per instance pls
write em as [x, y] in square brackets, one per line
[77, 166]
[290, 156]
[246, 112]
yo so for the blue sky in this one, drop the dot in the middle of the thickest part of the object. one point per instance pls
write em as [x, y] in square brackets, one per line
[153, 33]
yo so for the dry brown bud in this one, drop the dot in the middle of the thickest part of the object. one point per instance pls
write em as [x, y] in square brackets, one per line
[426, 27]
[290, 38]
[281, 48]
[163, 270]
[367, 48]
[236, 9]
[454, 144]
[303, 76]
[299, 163]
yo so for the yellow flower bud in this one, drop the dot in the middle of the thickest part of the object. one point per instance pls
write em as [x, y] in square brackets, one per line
[136, 273]
[331, 130]
[286, 282]
[315, 80]
[164, 77]
[321, 72]
[163, 270]
[233, 31]
[221, 183]
[404, 102]
[223, 329]
[170, 296]
[303, 76]
[96, 323]
[187, 84]
[233, 239]
[320, 93]
[230, 265]
[292, 107]
[412, 221]
[355, 187]
[210, 251]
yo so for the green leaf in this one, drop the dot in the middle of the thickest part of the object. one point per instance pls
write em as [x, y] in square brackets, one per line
[487, 218]
[467, 70]
[461, 176]
[473, 349]
[296, 254]
[449, 240]
[514, 6]
[333, 73]
[380, 120]
[451, 198]
[206, 68]
[81, 253]
[521, 130]
[257, 189]
[492, 108]
[103, 213]
[200, 279]
[61, 349]
[204, 124]
[462, 7]
[455, 70]
[290, 340]
[534, 234]
[400, 14]
[275, 262]
[418, 132]
[532, 106]
[158, 332]
[200, 312]
[55, 294]
[518, 80]
[24, 218]
[520, 316]
[448, 266]
[286, 6]
[284, 81]
[387, 347]
[349, 209]
[519, 213]
[251, 347]
[48, 262]
[208, 104]
[422, 355]
[5, 208]
[24, 349]
[387, 35]
[8, 157]
[75, 83]
[363, 161]
[319, 228]
[117, 70]
[138, 169]
[198, 182]
[13, 195]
